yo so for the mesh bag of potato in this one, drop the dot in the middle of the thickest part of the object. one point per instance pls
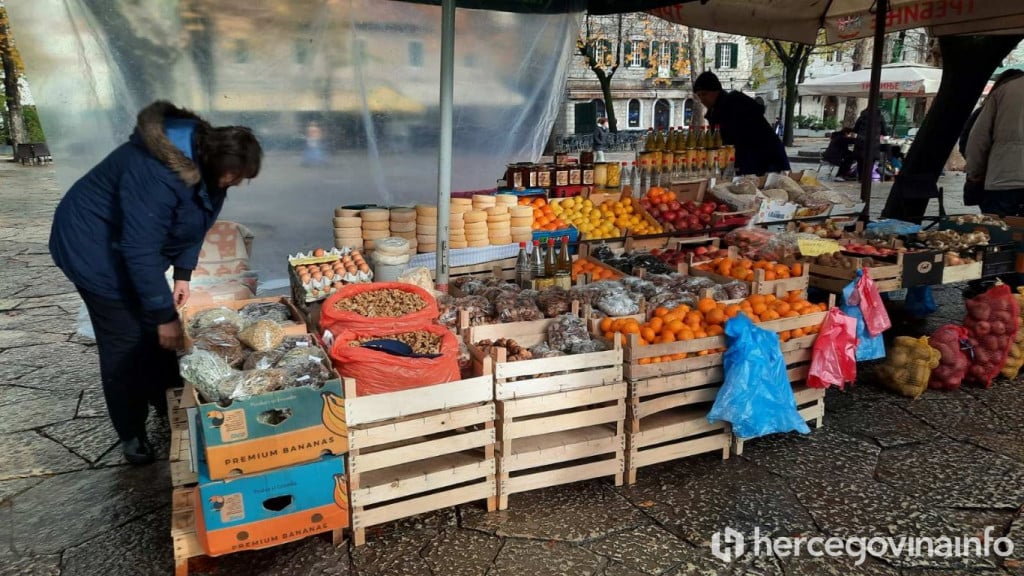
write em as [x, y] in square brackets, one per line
[909, 365]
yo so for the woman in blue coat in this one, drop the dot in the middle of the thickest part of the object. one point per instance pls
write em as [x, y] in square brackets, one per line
[145, 208]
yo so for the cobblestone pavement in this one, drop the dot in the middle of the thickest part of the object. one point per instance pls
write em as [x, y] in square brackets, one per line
[947, 464]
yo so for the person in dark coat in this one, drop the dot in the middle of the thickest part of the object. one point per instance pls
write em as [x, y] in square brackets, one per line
[743, 125]
[601, 139]
[145, 208]
[838, 152]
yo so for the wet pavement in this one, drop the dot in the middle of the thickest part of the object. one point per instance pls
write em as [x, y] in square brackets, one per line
[948, 464]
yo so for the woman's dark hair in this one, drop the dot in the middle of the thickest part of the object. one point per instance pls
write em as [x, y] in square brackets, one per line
[229, 150]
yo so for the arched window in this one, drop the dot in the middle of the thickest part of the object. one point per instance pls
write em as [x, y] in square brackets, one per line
[662, 114]
[687, 111]
[634, 113]
[601, 111]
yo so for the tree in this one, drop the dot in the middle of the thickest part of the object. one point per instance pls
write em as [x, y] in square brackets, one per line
[602, 64]
[968, 63]
[695, 47]
[861, 50]
[13, 68]
[793, 57]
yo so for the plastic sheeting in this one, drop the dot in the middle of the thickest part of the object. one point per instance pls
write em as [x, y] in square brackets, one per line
[343, 94]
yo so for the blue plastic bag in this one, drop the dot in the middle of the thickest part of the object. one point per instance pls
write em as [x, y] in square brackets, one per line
[868, 347]
[920, 302]
[886, 228]
[756, 397]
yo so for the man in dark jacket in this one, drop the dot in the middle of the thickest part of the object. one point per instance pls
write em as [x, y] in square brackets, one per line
[601, 138]
[743, 125]
[145, 208]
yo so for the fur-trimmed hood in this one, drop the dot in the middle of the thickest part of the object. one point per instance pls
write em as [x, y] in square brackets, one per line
[151, 130]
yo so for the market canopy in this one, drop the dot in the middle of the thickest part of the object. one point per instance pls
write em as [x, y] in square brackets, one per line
[910, 80]
[842, 20]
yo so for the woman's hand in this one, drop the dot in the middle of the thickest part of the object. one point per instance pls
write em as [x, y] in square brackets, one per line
[181, 293]
[171, 335]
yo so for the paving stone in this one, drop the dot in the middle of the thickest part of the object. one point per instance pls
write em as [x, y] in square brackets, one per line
[10, 372]
[38, 410]
[92, 403]
[68, 302]
[90, 438]
[971, 420]
[545, 558]
[35, 260]
[11, 488]
[613, 568]
[69, 374]
[954, 475]
[30, 566]
[733, 493]
[649, 549]
[43, 355]
[50, 319]
[70, 509]
[1005, 399]
[29, 454]
[9, 303]
[55, 285]
[807, 565]
[823, 453]
[595, 508]
[458, 552]
[887, 424]
[314, 556]
[20, 338]
[14, 395]
[159, 435]
[396, 553]
[140, 546]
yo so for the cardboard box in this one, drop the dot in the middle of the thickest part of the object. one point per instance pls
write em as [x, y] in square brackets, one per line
[923, 268]
[248, 436]
[272, 508]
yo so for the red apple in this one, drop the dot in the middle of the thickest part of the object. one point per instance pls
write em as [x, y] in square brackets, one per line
[674, 205]
[723, 208]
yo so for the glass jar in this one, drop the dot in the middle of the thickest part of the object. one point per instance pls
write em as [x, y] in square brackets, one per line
[562, 175]
[575, 175]
[588, 175]
[600, 174]
[614, 175]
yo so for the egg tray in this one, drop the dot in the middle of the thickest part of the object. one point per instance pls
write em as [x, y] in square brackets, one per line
[309, 293]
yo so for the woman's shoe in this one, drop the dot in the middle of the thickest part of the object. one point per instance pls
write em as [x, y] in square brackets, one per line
[138, 451]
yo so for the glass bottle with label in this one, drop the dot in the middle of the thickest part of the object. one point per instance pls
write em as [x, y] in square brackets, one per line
[564, 267]
[550, 260]
[718, 137]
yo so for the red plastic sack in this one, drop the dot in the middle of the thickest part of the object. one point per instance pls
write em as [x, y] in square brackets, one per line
[340, 320]
[992, 322]
[834, 360]
[950, 340]
[876, 319]
[378, 372]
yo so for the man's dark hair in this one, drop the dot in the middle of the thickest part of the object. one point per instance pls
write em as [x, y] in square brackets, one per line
[229, 150]
[707, 81]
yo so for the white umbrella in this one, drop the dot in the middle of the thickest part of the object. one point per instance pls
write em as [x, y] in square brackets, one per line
[910, 80]
[801, 20]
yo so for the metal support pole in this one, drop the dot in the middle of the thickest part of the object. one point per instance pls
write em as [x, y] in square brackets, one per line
[871, 150]
[444, 161]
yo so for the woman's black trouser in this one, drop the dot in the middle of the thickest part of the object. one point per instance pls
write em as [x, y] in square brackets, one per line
[135, 370]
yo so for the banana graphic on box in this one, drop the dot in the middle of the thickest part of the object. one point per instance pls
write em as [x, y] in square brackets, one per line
[340, 492]
[333, 414]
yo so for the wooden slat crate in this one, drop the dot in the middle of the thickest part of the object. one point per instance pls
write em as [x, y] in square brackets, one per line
[962, 273]
[759, 284]
[833, 279]
[558, 438]
[419, 450]
[180, 454]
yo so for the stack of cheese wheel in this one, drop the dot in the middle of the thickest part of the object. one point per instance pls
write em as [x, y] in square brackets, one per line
[521, 223]
[426, 228]
[376, 225]
[499, 222]
[348, 229]
[475, 225]
[403, 225]
[483, 201]
[456, 225]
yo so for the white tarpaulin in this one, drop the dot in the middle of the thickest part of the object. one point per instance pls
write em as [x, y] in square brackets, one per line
[909, 80]
[800, 20]
[366, 72]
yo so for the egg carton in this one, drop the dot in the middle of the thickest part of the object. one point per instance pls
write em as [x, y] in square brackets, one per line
[333, 275]
[317, 256]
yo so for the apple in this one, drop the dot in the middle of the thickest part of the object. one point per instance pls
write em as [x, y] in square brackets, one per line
[674, 205]
[705, 218]
[723, 208]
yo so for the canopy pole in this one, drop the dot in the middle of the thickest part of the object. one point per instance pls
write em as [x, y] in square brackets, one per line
[871, 150]
[444, 160]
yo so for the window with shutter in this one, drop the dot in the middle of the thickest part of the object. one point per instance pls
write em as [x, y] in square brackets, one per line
[734, 55]
[665, 60]
[718, 55]
[598, 53]
[674, 60]
[726, 57]
[653, 60]
[636, 55]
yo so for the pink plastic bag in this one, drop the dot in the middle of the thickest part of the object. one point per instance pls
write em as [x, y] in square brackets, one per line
[876, 319]
[834, 360]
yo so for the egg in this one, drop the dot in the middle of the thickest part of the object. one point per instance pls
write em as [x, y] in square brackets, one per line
[318, 252]
[351, 269]
[338, 285]
[304, 278]
[346, 260]
[317, 275]
[300, 269]
[364, 268]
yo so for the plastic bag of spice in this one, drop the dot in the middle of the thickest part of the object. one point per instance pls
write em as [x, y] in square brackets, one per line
[262, 335]
[376, 372]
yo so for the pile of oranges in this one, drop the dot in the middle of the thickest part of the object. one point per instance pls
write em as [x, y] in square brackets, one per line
[708, 319]
[659, 195]
[596, 271]
[744, 269]
[544, 217]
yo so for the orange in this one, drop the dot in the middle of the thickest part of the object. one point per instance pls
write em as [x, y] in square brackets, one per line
[606, 324]
[667, 337]
[700, 334]
[609, 335]
[693, 318]
[684, 334]
[660, 311]
[631, 326]
[618, 324]
[670, 318]
[715, 330]
[785, 335]
[781, 306]
[645, 361]
[798, 333]
[656, 324]
[769, 275]
[756, 299]
[732, 310]
[682, 309]
[648, 334]
[716, 316]
[674, 326]
[706, 305]
[760, 308]
[797, 269]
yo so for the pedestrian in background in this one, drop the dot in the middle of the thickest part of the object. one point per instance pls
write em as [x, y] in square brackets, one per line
[743, 125]
[601, 139]
[995, 150]
[145, 208]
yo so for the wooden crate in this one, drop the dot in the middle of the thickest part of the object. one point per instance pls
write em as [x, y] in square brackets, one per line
[810, 403]
[559, 438]
[834, 279]
[962, 273]
[543, 375]
[180, 454]
[761, 286]
[689, 189]
[185, 542]
[418, 450]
